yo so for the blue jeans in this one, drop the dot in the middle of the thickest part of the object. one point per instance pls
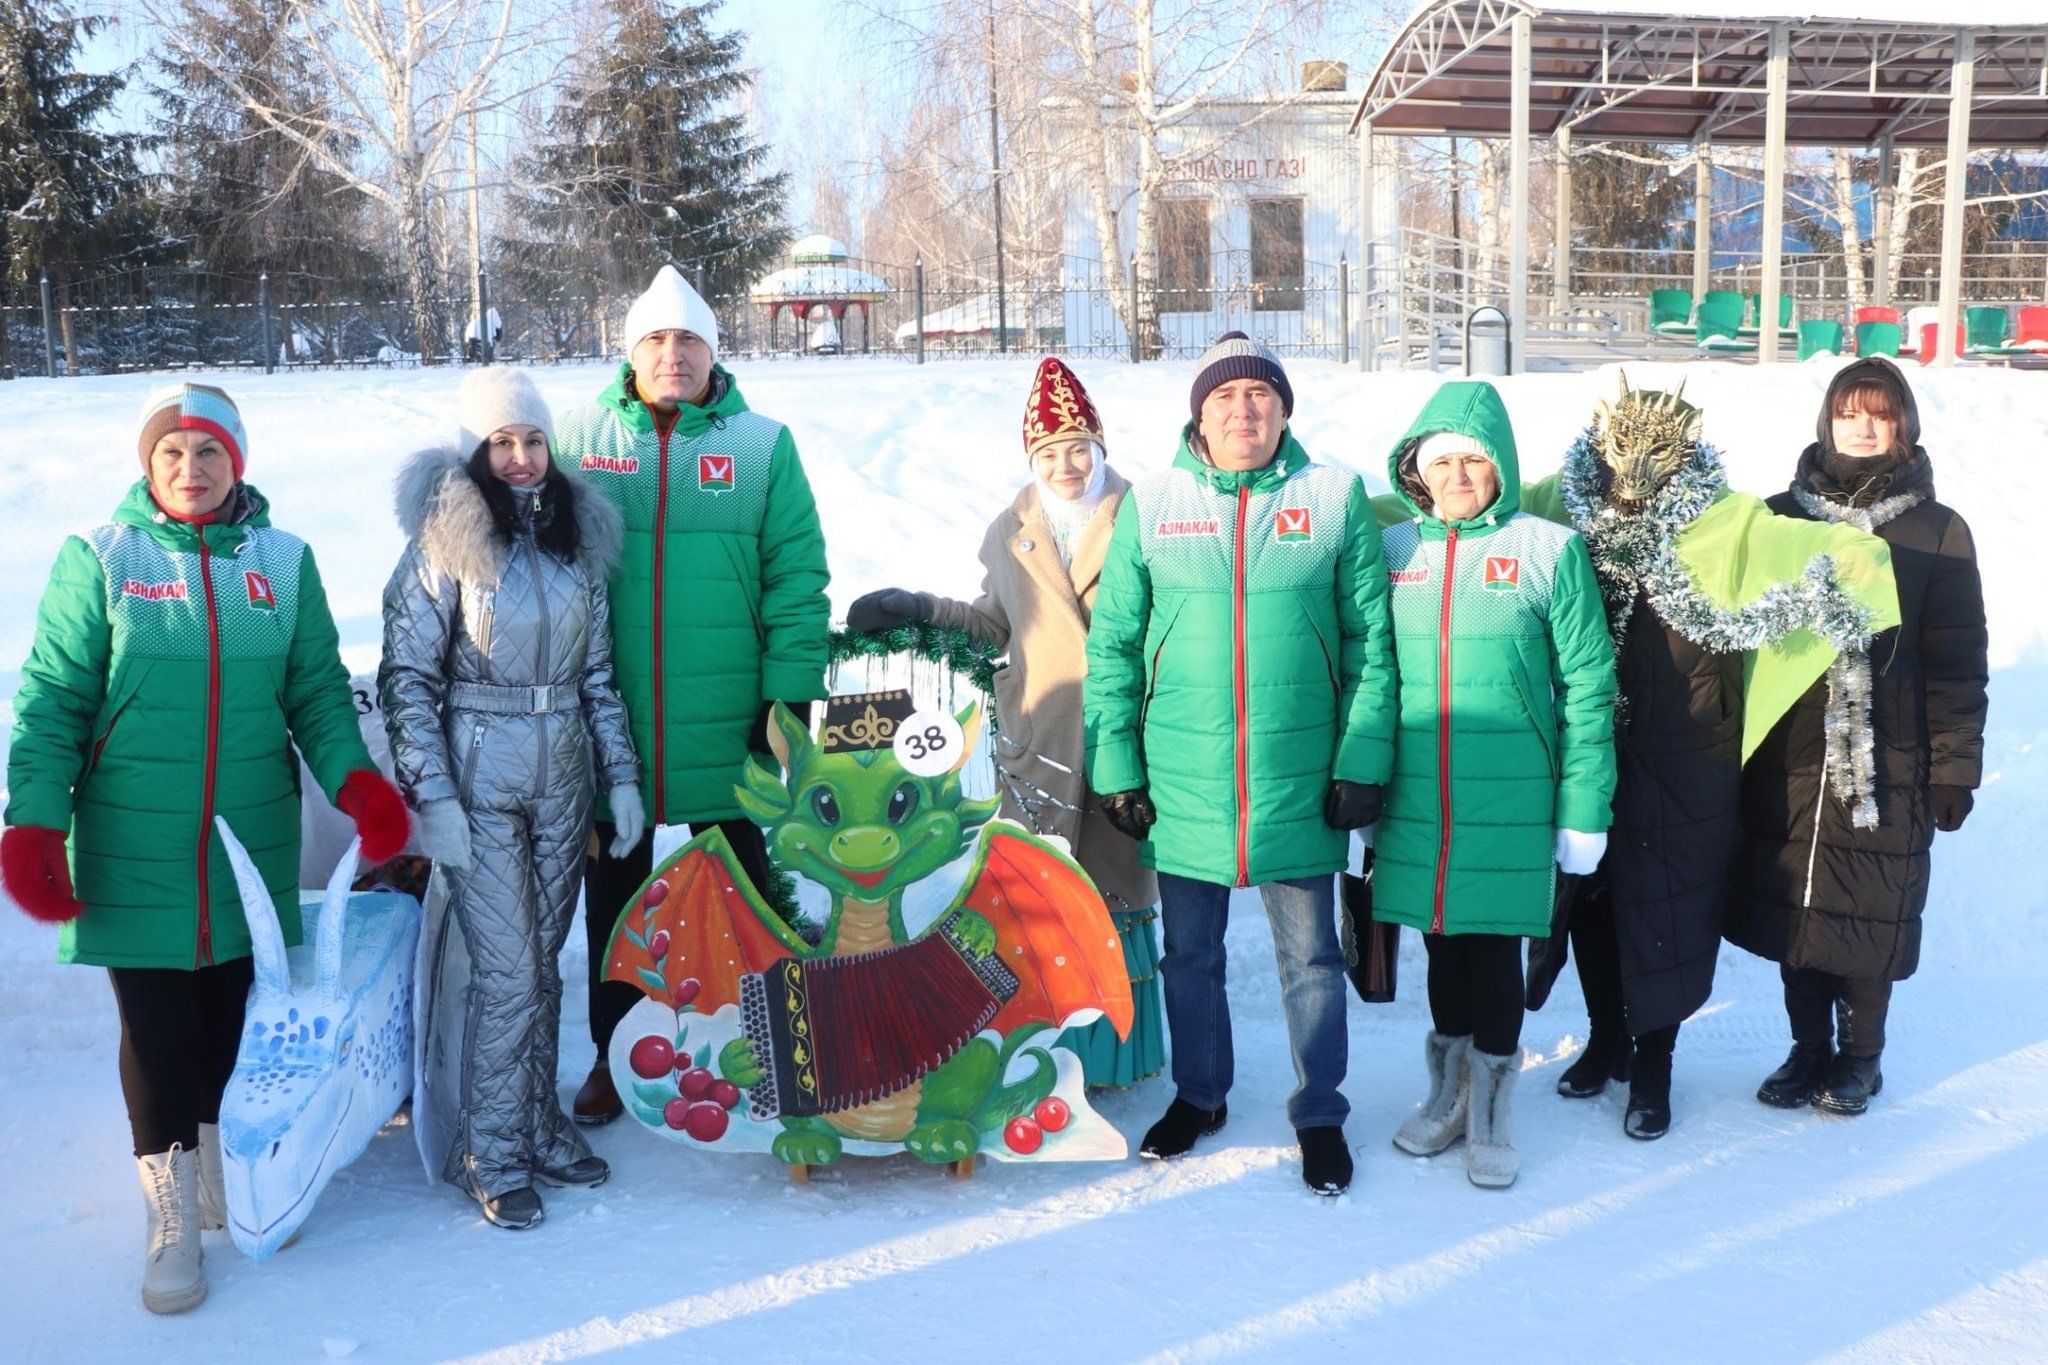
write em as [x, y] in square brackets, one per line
[1304, 918]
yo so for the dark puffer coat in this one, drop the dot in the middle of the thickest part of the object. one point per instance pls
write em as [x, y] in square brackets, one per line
[1808, 888]
[1678, 774]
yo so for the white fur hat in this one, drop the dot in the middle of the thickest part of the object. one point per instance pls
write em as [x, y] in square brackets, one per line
[670, 303]
[500, 396]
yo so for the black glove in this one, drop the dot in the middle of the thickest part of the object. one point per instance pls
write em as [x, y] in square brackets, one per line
[1131, 812]
[884, 609]
[1352, 805]
[1951, 806]
[757, 738]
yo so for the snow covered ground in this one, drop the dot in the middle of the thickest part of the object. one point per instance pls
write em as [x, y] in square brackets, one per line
[1919, 1231]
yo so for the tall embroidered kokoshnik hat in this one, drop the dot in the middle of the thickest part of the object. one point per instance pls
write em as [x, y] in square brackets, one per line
[864, 720]
[1058, 409]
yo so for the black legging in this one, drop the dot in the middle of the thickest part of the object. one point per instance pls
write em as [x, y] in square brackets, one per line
[1475, 989]
[1813, 998]
[179, 1034]
[608, 883]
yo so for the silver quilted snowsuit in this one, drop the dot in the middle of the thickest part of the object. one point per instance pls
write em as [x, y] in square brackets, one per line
[497, 690]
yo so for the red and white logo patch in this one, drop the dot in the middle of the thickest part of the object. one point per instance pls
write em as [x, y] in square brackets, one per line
[1166, 530]
[261, 595]
[714, 473]
[1502, 572]
[1292, 524]
[154, 592]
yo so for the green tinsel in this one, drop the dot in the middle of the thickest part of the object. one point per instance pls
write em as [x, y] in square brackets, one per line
[948, 647]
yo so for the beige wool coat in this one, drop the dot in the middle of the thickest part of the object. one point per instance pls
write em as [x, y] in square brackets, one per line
[1038, 609]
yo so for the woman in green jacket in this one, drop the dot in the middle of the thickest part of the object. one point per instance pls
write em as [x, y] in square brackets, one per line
[1503, 755]
[182, 652]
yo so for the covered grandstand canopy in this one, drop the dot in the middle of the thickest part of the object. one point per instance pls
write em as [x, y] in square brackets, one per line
[1953, 74]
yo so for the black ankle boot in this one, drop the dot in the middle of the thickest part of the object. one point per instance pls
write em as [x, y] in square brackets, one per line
[1791, 1085]
[1600, 1063]
[1848, 1086]
[1325, 1160]
[1649, 1096]
[1175, 1133]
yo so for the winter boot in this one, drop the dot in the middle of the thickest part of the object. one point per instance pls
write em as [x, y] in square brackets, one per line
[1325, 1160]
[1441, 1120]
[589, 1171]
[213, 1190]
[1848, 1086]
[1491, 1161]
[1602, 1061]
[173, 1270]
[1649, 1088]
[514, 1209]
[1791, 1085]
[598, 1100]
[1178, 1128]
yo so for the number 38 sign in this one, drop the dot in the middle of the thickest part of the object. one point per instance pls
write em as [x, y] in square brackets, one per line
[928, 743]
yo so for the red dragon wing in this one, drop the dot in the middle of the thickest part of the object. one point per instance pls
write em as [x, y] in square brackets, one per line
[697, 919]
[1052, 930]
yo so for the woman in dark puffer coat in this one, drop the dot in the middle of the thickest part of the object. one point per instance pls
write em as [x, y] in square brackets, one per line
[1839, 906]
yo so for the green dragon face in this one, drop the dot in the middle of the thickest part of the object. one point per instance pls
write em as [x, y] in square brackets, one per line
[855, 822]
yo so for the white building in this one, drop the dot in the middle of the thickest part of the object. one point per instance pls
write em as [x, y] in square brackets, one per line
[1259, 209]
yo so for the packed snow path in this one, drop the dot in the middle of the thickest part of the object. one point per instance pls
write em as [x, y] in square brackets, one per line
[1918, 1231]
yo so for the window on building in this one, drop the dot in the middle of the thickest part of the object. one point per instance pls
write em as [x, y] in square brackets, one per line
[1277, 255]
[1185, 282]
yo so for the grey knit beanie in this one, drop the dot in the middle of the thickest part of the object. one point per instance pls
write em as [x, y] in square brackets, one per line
[500, 396]
[1237, 356]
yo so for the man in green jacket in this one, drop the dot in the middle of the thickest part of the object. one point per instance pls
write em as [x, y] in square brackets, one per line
[718, 604]
[1239, 720]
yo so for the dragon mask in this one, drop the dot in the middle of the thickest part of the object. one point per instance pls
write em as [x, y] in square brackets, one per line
[1644, 437]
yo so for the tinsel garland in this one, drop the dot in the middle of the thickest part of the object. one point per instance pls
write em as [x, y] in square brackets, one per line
[1638, 552]
[949, 647]
[1862, 518]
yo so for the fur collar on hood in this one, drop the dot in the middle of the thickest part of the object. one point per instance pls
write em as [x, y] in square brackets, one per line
[440, 506]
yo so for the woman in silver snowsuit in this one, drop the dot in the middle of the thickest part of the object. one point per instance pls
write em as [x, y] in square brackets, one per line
[497, 692]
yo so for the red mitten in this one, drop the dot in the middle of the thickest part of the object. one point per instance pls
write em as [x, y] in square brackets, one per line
[379, 812]
[33, 869]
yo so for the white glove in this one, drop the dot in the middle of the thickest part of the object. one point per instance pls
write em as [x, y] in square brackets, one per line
[1579, 853]
[444, 833]
[629, 817]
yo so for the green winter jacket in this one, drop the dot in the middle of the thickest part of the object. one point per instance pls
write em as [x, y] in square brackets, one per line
[718, 602]
[1238, 661]
[1506, 698]
[174, 669]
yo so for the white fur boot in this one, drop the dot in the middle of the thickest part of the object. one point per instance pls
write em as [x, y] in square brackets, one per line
[173, 1275]
[1490, 1157]
[1441, 1120]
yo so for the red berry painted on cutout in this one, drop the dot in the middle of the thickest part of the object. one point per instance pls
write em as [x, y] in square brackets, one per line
[652, 1056]
[1022, 1135]
[686, 991]
[657, 892]
[705, 1122]
[725, 1094]
[676, 1113]
[695, 1083]
[658, 945]
[1053, 1114]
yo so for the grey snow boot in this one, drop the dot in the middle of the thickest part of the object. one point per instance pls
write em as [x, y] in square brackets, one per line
[1441, 1120]
[213, 1190]
[173, 1273]
[1490, 1157]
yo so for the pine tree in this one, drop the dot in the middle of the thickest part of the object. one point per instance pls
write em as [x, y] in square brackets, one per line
[1627, 195]
[646, 159]
[70, 196]
[241, 199]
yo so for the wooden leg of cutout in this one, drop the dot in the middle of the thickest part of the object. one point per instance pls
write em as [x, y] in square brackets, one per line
[800, 1174]
[963, 1169]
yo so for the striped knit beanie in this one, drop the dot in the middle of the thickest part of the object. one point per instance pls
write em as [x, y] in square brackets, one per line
[193, 407]
[1237, 356]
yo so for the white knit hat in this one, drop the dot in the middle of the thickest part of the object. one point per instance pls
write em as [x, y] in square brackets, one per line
[1440, 444]
[670, 304]
[500, 396]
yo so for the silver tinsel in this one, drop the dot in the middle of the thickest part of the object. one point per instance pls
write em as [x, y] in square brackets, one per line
[1638, 552]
